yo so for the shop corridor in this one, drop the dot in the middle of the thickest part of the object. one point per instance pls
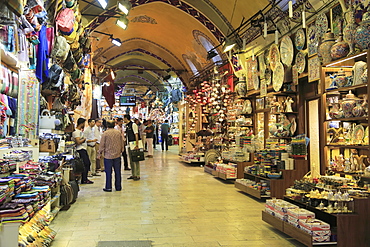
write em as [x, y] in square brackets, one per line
[172, 205]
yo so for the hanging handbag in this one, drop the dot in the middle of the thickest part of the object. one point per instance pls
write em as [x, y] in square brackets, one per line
[136, 155]
[65, 20]
[60, 49]
[47, 121]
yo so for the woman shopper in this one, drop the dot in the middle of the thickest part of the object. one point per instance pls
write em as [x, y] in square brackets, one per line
[149, 131]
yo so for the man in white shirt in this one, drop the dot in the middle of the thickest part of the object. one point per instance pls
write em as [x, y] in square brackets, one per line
[98, 133]
[91, 140]
[81, 147]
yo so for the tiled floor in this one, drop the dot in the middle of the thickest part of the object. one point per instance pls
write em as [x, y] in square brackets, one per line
[173, 204]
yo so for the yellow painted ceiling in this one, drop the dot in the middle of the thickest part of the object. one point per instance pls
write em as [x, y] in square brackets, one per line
[161, 35]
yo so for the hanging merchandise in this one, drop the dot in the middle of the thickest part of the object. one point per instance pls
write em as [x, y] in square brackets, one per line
[42, 64]
[61, 49]
[65, 20]
[28, 102]
[46, 120]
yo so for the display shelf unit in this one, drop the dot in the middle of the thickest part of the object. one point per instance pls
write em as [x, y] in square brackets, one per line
[240, 166]
[329, 99]
[250, 191]
[350, 229]
[222, 175]
[278, 186]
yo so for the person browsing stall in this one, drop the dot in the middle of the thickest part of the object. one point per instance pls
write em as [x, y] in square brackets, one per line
[111, 147]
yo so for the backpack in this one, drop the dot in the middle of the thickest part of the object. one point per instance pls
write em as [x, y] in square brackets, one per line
[60, 49]
[65, 20]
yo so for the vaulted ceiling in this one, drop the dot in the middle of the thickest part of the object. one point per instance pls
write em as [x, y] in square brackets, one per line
[161, 36]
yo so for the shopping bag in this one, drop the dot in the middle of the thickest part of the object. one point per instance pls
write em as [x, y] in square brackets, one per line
[47, 121]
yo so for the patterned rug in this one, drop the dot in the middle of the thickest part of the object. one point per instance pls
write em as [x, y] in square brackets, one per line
[138, 243]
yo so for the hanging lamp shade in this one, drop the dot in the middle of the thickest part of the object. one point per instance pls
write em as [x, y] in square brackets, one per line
[228, 44]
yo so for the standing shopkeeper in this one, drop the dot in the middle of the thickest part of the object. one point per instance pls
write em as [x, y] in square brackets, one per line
[133, 137]
[81, 147]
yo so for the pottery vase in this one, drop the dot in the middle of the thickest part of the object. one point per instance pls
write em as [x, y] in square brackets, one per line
[358, 70]
[241, 88]
[364, 77]
[325, 47]
[362, 36]
[348, 103]
[349, 31]
[358, 110]
[340, 79]
[335, 112]
[339, 49]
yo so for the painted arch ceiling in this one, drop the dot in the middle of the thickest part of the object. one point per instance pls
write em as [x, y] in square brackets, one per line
[161, 35]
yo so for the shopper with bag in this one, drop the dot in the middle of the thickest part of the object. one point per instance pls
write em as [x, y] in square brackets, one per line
[81, 147]
[135, 154]
[111, 147]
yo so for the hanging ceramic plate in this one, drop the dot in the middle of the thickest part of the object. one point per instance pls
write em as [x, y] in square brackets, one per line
[262, 66]
[366, 136]
[274, 56]
[312, 40]
[286, 50]
[300, 62]
[247, 107]
[300, 39]
[322, 25]
[267, 76]
[358, 134]
[278, 77]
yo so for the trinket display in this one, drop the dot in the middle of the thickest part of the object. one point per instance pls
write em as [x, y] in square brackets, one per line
[362, 35]
[340, 49]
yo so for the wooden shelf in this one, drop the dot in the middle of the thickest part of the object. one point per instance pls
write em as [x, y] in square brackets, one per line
[346, 89]
[347, 146]
[292, 231]
[257, 176]
[282, 93]
[352, 119]
[250, 191]
[278, 113]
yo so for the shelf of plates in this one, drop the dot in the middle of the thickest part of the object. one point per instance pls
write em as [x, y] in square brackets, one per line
[345, 137]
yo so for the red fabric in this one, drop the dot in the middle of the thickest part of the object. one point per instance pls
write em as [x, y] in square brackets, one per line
[108, 93]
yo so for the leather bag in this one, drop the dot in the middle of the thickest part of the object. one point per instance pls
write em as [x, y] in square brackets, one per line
[136, 155]
[46, 120]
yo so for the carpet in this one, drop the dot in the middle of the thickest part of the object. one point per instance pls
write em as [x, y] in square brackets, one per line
[137, 243]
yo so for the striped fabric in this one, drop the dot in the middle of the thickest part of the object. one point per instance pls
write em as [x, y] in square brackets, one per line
[111, 144]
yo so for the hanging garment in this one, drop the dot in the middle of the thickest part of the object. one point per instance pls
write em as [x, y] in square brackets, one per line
[42, 62]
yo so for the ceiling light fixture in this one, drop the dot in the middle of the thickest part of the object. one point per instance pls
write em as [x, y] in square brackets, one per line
[116, 41]
[211, 54]
[125, 6]
[103, 3]
[228, 44]
[122, 22]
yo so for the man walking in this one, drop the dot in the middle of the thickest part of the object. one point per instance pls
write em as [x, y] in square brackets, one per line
[165, 128]
[91, 140]
[111, 146]
[132, 133]
[119, 127]
[81, 147]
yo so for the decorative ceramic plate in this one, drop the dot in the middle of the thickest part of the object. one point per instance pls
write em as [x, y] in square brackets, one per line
[262, 66]
[312, 40]
[278, 77]
[358, 134]
[267, 76]
[300, 62]
[322, 25]
[286, 50]
[274, 56]
[246, 108]
[300, 39]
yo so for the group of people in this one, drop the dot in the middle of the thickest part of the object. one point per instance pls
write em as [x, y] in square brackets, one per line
[105, 144]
